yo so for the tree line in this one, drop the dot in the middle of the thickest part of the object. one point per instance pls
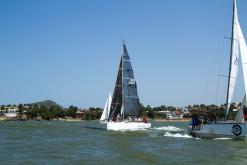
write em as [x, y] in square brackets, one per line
[55, 112]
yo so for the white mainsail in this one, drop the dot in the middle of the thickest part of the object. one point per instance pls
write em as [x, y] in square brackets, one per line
[233, 70]
[243, 52]
[106, 111]
[238, 47]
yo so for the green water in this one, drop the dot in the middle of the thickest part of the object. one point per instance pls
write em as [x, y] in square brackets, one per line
[58, 143]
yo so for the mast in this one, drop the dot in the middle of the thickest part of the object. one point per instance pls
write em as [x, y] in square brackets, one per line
[230, 66]
[122, 107]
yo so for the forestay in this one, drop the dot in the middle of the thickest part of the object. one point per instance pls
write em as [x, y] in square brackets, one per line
[117, 95]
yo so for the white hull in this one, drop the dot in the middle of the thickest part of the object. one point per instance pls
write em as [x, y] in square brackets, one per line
[218, 130]
[127, 126]
[10, 115]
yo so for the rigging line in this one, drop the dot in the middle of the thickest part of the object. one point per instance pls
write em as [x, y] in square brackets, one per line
[217, 90]
[221, 75]
[221, 31]
[231, 38]
[216, 58]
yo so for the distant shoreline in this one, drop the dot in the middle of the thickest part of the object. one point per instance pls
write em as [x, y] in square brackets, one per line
[172, 120]
[2, 118]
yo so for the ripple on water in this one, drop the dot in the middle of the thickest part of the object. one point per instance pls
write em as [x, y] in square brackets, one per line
[54, 143]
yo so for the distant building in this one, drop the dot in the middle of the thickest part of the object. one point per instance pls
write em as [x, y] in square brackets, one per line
[26, 106]
[11, 112]
[2, 111]
[185, 109]
[79, 114]
[175, 115]
[178, 114]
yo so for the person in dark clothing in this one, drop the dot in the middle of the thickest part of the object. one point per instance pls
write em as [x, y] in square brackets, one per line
[205, 119]
[195, 122]
[245, 112]
[198, 125]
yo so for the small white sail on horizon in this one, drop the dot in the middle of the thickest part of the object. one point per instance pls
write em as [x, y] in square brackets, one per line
[105, 114]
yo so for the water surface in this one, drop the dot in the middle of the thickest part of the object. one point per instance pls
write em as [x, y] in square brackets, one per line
[87, 142]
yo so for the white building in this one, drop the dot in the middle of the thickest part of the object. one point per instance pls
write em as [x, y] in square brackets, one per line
[10, 112]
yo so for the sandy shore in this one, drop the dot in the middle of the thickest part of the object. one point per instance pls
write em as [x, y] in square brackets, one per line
[68, 119]
[175, 120]
[3, 118]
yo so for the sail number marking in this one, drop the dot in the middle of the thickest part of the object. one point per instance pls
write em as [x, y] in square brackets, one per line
[236, 129]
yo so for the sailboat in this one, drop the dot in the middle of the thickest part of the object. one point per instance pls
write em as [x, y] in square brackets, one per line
[238, 128]
[124, 114]
[106, 111]
[11, 112]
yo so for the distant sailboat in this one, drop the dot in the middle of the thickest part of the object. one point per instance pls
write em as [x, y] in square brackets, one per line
[106, 111]
[238, 128]
[11, 112]
[125, 108]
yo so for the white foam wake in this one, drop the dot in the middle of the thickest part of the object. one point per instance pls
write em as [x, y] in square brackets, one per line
[169, 129]
[222, 138]
[177, 135]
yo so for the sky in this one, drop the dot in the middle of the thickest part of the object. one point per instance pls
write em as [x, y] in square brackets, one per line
[69, 51]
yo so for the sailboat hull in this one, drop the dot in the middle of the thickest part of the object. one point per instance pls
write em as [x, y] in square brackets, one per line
[10, 115]
[127, 126]
[220, 130]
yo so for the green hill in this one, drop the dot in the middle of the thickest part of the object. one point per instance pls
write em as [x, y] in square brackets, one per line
[48, 104]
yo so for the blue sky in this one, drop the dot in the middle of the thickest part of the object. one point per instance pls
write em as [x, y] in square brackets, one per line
[68, 51]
